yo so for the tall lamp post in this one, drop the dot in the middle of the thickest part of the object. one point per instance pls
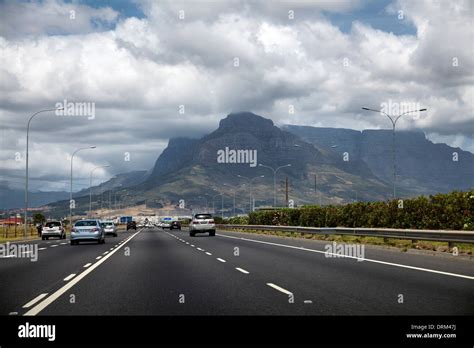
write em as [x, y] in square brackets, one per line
[90, 188]
[70, 193]
[27, 158]
[207, 202]
[274, 178]
[222, 204]
[115, 196]
[393, 119]
[250, 188]
[121, 198]
[234, 191]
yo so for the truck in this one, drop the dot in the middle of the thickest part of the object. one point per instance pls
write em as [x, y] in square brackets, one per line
[125, 219]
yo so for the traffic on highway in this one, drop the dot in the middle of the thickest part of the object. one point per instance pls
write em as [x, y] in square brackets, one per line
[234, 172]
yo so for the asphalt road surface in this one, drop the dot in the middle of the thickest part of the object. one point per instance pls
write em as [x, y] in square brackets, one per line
[156, 272]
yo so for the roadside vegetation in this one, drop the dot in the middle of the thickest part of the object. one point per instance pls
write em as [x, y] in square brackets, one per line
[451, 211]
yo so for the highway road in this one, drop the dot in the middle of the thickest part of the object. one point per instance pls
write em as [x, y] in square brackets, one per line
[156, 272]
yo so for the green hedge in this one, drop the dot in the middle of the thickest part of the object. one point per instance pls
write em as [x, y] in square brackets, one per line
[452, 211]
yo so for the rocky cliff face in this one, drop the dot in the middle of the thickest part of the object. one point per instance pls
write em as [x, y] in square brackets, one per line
[421, 165]
[194, 167]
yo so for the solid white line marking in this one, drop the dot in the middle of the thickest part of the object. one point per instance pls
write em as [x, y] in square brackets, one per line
[221, 260]
[354, 257]
[208, 253]
[36, 299]
[53, 297]
[69, 277]
[276, 287]
[98, 257]
[242, 270]
[87, 265]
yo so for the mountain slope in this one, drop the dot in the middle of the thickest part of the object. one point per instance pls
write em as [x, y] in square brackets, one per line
[189, 168]
[422, 167]
[13, 198]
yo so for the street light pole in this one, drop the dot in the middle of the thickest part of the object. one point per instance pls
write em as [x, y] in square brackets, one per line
[274, 179]
[214, 206]
[115, 197]
[90, 188]
[205, 200]
[234, 191]
[393, 119]
[26, 161]
[250, 188]
[70, 193]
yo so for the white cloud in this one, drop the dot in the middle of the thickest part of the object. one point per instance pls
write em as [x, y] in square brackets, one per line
[52, 17]
[140, 71]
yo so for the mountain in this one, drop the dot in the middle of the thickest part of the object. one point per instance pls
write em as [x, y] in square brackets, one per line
[188, 168]
[115, 188]
[327, 166]
[14, 198]
[422, 167]
[120, 181]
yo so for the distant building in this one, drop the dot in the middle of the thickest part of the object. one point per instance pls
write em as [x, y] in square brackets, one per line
[11, 221]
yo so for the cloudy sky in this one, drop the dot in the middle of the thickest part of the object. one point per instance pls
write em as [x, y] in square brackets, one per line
[159, 69]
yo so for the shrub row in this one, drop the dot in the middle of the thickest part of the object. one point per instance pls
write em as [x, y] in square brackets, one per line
[451, 211]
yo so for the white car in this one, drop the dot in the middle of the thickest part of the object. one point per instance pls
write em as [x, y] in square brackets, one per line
[53, 229]
[202, 223]
[109, 227]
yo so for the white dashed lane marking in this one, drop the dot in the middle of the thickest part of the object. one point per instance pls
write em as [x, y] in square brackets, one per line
[276, 287]
[69, 277]
[36, 299]
[242, 270]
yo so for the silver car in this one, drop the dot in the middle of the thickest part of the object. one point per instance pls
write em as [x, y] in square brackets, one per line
[202, 223]
[109, 227]
[53, 229]
[87, 230]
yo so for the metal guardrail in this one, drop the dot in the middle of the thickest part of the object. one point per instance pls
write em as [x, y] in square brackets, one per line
[449, 236]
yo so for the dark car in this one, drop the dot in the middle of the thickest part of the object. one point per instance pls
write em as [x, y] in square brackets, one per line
[175, 225]
[131, 225]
